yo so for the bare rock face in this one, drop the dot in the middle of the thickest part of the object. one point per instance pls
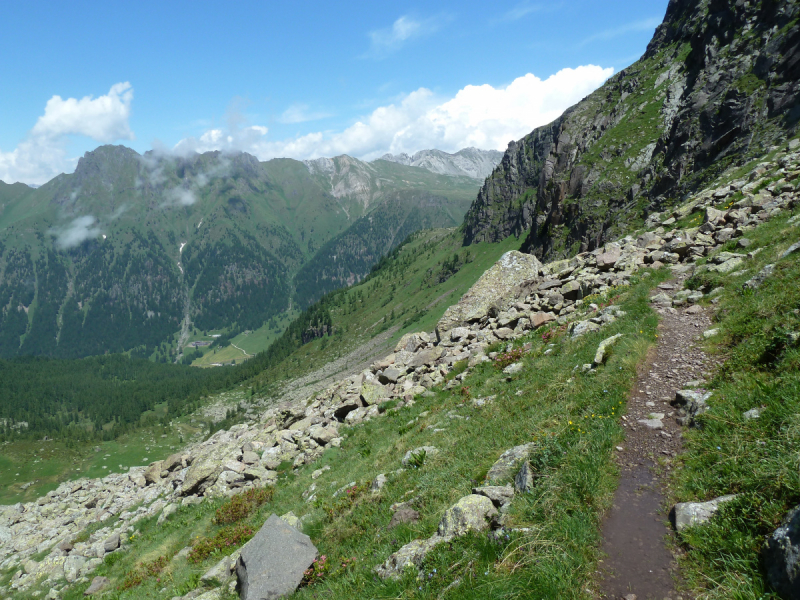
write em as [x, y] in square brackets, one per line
[271, 565]
[497, 285]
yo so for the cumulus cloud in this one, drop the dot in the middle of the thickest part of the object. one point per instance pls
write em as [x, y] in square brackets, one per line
[390, 39]
[301, 113]
[103, 119]
[478, 115]
[78, 231]
[42, 154]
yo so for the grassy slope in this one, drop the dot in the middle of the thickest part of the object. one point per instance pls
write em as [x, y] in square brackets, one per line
[401, 286]
[571, 419]
[730, 455]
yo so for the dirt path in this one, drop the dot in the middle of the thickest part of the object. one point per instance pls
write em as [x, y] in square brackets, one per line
[638, 564]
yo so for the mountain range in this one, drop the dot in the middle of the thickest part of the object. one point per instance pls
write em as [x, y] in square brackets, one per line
[131, 252]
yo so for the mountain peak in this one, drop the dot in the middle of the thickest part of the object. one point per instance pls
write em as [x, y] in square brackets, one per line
[470, 162]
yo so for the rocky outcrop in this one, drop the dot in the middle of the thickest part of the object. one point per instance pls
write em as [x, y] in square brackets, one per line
[717, 85]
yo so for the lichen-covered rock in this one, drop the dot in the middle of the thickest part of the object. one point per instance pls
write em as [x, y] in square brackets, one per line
[471, 513]
[497, 285]
[504, 467]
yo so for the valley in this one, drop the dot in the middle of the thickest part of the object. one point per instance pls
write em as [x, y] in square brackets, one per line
[569, 370]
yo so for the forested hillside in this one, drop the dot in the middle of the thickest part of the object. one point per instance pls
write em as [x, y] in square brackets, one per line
[135, 253]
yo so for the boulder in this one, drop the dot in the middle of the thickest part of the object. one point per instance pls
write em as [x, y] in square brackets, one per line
[220, 573]
[153, 472]
[373, 393]
[504, 467]
[470, 513]
[390, 375]
[425, 357]
[781, 556]
[271, 565]
[500, 283]
[541, 318]
[409, 556]
[250, 458]
[322, 435]
[523, 481]
[172, 462]
[500, 495]
[111, 543]
[72, 567]
[604, 349]
[689, 514]
[606, 260]
[201, 476]
[98, 585]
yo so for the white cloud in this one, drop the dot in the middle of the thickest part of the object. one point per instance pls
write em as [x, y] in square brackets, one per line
[104, 119]
[478, 115]
[81, 229]
[300, 113]
[607, 34]
[179, 197]
[42, 154]
[390, 39]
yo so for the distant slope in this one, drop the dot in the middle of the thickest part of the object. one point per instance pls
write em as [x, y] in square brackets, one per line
[470, 162]
[137, 252]
[718, 84]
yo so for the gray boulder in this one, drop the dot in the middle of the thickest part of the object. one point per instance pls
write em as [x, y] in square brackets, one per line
[98, 585]
[112, 543]
[471, 513]
[271, 565]
[504, 467]
[689, 514]
[201, 476]
[781, 555]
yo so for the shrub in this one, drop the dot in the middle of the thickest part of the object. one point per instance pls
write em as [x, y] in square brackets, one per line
[142, 572]
[322, 568]
[508, 358]
[229, 537]
[242, 505]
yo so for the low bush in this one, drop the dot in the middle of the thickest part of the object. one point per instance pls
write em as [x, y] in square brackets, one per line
[242, 505]
[225, 539]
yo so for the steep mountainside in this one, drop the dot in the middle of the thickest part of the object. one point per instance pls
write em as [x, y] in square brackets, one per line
[130, 252]
[471, 162]
[717, 86]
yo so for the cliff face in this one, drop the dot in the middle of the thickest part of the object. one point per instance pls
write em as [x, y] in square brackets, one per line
[717, 85]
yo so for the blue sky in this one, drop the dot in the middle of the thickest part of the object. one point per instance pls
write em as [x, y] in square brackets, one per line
[301, 79]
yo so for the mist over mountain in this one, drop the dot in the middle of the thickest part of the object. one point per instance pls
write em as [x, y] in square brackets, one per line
[131, 251]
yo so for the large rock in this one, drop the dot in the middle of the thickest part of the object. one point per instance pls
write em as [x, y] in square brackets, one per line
[606, 260]
[201, 476]
[425, 357]
[781, 554]
[471, 513]
[505, 467]
[271, 565]
[153, 472]
[497, 285]
[98, 585]
[604, 349]
[409, 556]
[689, 514]
[111, 543]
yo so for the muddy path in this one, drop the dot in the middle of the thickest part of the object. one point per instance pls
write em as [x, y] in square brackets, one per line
[638, 563]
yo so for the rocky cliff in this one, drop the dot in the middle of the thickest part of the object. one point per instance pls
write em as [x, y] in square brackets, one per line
[717, 86]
